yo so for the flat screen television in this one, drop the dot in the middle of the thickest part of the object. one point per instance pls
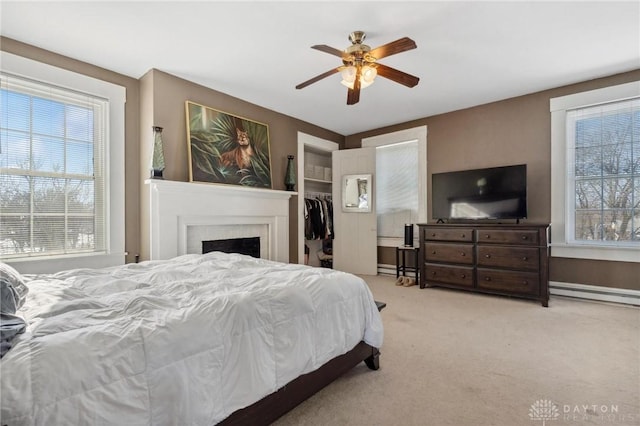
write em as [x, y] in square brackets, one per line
[491, 193]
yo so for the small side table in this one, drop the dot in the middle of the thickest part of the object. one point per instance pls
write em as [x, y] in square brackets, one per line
[401, 261]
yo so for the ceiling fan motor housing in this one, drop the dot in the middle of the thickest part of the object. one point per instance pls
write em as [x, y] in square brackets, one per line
[357, 37]
[357, 53]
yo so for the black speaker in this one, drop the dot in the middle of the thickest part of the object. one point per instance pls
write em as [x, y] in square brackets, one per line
[408, 235]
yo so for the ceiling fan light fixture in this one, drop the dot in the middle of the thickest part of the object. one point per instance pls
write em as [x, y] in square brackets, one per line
[347, 84]
[363, 84]
[349, 74]
[368, 74]
[361, 62]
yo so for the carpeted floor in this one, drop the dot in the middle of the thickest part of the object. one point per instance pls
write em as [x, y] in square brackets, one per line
[454, 358]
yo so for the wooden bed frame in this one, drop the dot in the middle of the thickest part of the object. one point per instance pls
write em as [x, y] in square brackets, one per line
[272, 407]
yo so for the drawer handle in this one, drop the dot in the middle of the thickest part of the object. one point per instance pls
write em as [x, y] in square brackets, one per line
[433, 273]
[525, 282]
[487, 278]
[524, 237]
[463, 235]
[487, 256]
[487, 236]
[433, 252]
[525, 258]
[463, 276]
[433, 235]
[462, 254]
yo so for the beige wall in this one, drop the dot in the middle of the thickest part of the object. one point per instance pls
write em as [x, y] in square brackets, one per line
[163, 98]
[513, 131]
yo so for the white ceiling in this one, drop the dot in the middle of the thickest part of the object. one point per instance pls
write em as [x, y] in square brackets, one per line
[469, 53]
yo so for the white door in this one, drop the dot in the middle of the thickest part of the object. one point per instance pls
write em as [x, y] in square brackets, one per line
[355, 245]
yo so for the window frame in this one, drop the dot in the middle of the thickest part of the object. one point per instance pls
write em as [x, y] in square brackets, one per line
[563, 194]
[415, 133]
[114, 248]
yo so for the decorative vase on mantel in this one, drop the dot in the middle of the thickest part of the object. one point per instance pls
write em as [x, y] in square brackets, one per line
[290, 174]
[157, 156]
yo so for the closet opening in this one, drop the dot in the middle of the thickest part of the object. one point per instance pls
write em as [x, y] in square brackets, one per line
[318, 229]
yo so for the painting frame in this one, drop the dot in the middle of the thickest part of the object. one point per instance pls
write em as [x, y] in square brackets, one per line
[227, 149]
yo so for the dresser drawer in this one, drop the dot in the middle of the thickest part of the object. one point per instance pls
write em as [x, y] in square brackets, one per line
[526, 258]
[448, 253]
[510, 281]
[437, 233]
[458, 275]
[511, 236]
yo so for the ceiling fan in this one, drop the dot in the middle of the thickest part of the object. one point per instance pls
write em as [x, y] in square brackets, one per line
[360, 65]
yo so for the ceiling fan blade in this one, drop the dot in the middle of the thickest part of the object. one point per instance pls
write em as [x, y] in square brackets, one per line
[353, 95]
[317, 78]
[397, 76]
[328, 49]
[400, 45]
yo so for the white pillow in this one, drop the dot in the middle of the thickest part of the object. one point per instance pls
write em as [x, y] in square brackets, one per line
[13, 290]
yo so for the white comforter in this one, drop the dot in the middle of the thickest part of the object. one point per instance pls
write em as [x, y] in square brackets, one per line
[185, 341]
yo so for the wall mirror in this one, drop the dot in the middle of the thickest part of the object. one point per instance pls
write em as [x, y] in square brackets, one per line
[356, 193]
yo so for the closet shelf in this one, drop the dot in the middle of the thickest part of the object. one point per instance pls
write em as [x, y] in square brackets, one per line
[317, 180]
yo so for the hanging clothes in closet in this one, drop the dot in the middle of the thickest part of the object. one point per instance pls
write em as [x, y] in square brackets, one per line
[318, 218]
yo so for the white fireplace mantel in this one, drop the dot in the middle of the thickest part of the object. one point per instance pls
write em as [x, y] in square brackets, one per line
[176, 206]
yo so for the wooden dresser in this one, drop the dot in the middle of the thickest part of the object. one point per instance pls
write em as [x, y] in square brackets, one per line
[511, 260]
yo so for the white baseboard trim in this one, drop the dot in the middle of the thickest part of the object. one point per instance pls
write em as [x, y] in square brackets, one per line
[386, 269]
[592, 292]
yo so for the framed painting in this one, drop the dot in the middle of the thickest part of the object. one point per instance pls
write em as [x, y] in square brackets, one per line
[224, 148]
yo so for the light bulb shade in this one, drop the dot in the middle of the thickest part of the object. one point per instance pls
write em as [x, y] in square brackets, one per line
[349, 74]
[368, 74]
[364, 84]
[347, 84]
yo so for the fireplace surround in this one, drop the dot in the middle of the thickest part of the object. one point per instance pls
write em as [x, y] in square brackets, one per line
[183, 214]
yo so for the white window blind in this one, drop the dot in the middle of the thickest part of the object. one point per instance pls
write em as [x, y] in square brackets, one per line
[52, 170]
[603, 164]
[396, 187]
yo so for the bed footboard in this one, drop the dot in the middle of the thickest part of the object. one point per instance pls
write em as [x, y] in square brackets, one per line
[273, 406]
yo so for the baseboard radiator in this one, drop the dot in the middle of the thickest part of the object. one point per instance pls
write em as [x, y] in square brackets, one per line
[593, 292]
[580, 291]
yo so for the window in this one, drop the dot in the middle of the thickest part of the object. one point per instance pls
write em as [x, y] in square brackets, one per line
[400, 182]
[397, 187]
[596, 174]
[59, 147]
[51, 170]
[603, 146]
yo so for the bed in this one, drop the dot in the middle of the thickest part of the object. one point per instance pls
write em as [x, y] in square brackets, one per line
[198, 339]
